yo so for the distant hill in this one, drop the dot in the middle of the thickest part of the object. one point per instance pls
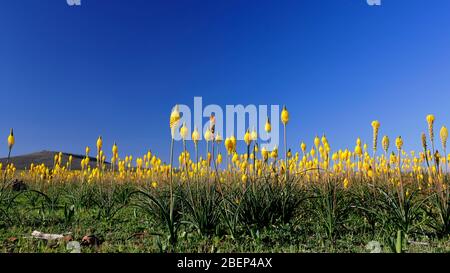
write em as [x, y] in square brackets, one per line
[22, 162]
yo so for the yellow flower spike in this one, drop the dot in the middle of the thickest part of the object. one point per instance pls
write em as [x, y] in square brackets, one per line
[11, 139]
[274, 153]
[235, 157]
[195, 136]
[268, 126]
[399, 143]
[317, 142]
[264, 154]
[324, 140]
[244, 178]
[208, 135]
[99, 143]
[358, 150]
[115, 150]
[247, 138]
[234, 142]
[174, 117]
[303, 147]
[424, 144]
[254, 135]
[139, 162]
[184, 131]
[245, 157]
[385, 143]
[375, 127]
[284, 115]
[327, 148]
[345, 183]
[430, 120]
[335, 157]
[444, 136]
[255, 148]
[228, 145]
[375, 124]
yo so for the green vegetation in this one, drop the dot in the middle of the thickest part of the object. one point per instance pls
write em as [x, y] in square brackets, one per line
[266, 216]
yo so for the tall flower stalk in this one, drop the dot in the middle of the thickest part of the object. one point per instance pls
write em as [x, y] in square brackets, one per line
[248, 142]
[207, 136]
[285, 120]
[99, 151]
[254, 137]
[425, 149]
[375, 127]
[385, 143]
[430, 121]
[174, 120]
[195, 139]
[444, 137]
[11, 142]
[184, 133]
[399, 144]
[218, 140]
[115, 156]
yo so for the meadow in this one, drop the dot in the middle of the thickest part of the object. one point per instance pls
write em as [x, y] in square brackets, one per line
[375, 197]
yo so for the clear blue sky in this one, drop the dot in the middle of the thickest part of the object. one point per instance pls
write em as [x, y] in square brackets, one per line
[115, 68]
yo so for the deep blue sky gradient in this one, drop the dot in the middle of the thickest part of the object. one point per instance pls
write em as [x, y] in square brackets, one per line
[115, 68]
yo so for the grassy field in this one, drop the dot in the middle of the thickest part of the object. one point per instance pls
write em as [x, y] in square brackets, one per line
[265, 218]
[311, 201]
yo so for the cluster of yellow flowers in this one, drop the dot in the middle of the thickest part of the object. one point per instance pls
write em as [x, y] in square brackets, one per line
[426, 166]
